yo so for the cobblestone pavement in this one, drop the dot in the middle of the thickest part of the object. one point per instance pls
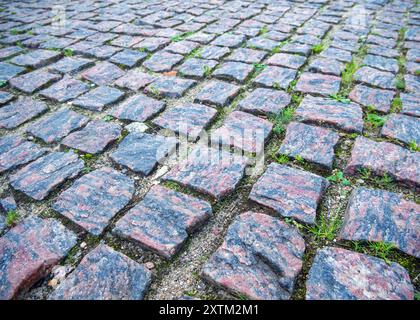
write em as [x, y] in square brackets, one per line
[209, 149]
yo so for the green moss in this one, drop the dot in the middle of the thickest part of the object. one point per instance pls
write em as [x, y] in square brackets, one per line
[11, 218]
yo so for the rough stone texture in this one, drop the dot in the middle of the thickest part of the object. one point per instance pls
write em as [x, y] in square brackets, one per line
[382, 216]
[105, 274]
[403, 128]
[410, 104]
[375, 78]
[94, 199]
[290, 192]
[197, 68]
[243, 131]
[141, 152]
[8, 71]
[137, 108]
[162, 221]
[209, 171]
[265, 101]
[170, 87]
[275, 77]
[339, 274]
[20, 111]
[7, 204]
[163, 61]
[318, 84]
[189, 119]
[327, 66]
[385, 158]
[33, 81]
[236, 71]
[246, 55]
[36, 59]
[342, 116]
[29, 251]
[377, 99]
[313, 144]
[40, 177]
[128, 58]
[65, 90]
[286, 60]
[98, 98]
[103, 73]
[412, 83]
[134, 80]
[57, 125]
[93, 138]
[5, 97]
[15, 151]
[70, 65]
[381, 63]
[217, 93]
[260, 258]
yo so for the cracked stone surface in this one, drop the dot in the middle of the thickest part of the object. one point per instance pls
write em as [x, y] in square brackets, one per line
[154, 130]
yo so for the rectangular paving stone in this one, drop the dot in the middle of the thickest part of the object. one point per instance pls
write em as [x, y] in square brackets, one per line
[317, 83]
[98, 98]
[93, 138]
[410, 104]
[275, 77]
[29, 250]
[15, 151]
[342, 116]
[103, 73]
[246, 55]
[170, 87]
[210, 171]
[381, 216]
[229, 40]
[262, 43]
[94, 199]
[377, 99]
[20, 111]
[297, 48]
[213, 52]
[57, 125]
[33, 81]
[382, 51]
[128, 58]
[183, 47]
[126, 41]
[137, 108]
[8, 71]
[292, 61]
[260, 258]
[102, 52]
[142, 152]
[197, 68]
[188, 119]
[65, 90]
[412, 83]
[339, 274]
[162, 221]
[385, 158]
[403, 128]
[135, 80]
[9, 52]
[243, 131]
[152, 44]
[290, 192]
[36, 59]
[70, 65]
[381, 63]
[265, 102]
[105, 274]
[313, 144]
[327, 66]
[42, 176]
[375, 78]
[162, 61]
[236, 71]
[217, 93]
[337, 54]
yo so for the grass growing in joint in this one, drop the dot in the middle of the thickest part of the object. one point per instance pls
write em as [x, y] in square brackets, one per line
[318, 48]
[338, 177]
[382, 250]
[282, 119]
[349, 70]
[374, 120]
[11, 218]
[325, 229]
